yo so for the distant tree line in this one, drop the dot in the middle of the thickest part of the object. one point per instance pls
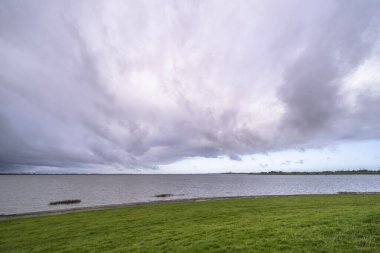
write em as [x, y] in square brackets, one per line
[338, 172]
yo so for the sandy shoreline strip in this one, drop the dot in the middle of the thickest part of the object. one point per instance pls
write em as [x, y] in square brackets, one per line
[145, 203]
[155, 202]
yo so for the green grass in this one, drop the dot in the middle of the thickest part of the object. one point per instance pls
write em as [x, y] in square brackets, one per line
[336, 223]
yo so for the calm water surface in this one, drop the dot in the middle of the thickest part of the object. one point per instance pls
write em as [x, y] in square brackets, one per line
[29, 193]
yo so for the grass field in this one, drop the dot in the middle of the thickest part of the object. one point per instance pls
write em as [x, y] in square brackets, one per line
[335, 223]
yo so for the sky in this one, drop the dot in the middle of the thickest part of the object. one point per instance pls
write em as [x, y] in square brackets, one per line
[189, 86]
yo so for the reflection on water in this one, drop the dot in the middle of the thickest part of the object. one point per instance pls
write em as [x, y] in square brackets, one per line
[28, 193]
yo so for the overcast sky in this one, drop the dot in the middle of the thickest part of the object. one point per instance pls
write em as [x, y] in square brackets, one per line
[189, 86]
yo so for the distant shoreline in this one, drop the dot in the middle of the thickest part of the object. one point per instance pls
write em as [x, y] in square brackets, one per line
[338, 172]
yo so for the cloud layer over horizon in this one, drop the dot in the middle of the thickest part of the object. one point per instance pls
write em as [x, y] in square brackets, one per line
[131, 84]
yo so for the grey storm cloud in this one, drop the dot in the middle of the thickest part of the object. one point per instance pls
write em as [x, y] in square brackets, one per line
[130, 84]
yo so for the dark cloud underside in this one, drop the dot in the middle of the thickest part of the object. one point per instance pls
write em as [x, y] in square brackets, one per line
[130, 84]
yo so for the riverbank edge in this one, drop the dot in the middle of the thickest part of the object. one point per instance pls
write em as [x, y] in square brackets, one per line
[160, 202]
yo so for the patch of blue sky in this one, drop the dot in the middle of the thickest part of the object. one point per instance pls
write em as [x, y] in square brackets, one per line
[347, 156]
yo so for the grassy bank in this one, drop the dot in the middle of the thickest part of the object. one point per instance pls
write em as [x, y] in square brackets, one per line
[336, 223]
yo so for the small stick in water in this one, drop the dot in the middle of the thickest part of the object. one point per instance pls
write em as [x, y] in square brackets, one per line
[65, 202]
[163, 195]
